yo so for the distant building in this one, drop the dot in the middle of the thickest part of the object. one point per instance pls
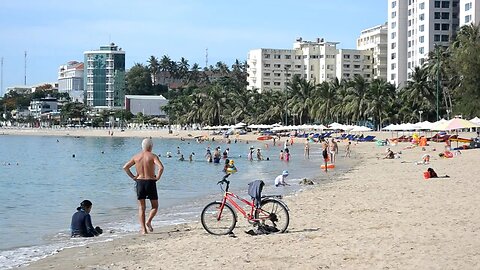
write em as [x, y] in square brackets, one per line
[104, 77]
[318, 61]
[22, 90]
[375, 40]
[44, 105]
[469, 12]
[147, 105]
[354, 62]
[414, 29]
[70, 80]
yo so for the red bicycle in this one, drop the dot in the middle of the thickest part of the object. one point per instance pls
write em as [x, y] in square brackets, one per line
[219, 218]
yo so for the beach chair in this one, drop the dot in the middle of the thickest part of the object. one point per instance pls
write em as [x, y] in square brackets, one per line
[368, 138]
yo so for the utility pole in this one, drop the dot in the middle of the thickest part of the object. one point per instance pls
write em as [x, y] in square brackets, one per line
[25, 71]
[1, 75]
[206, 58]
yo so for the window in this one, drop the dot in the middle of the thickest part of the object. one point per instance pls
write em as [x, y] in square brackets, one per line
[288, 66]
[346, 66]
[409, 12]
[394, 24]
[445, 15]
[409, 65]
[298, 57]
[445, 26]
[421, 28]
[445, 38]
[421, 50]
[437, 15]
[288, 56]
[445, 4]
[421, 17]
[436, 26]
[277, 65]
[267, 55]
[436, 38]
[393, 66]
[346, 56]
[422, 61]
[409, 22]
[394, 14]
[468, 18]
[298, 66]
[392, 76]
[422, 6]
[409, 34]
[468, 6]
[421, 39]
[393, 56]
[356, 56]
[266, 65]
[437, 4]
[266, 74]
[276, 83]
[394, 45]
[409, 44]
[266, 83]
[394, 4]
[356, 66]
[367, 57]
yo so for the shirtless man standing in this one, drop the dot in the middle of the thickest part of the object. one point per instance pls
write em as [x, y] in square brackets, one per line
[146, 182]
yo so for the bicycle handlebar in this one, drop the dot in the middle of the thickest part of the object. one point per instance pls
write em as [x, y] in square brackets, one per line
[224, 181]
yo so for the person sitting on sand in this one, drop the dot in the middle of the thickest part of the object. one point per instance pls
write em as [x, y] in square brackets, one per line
[81, 225]
[280, 180]
[433, 174]
[389, 155]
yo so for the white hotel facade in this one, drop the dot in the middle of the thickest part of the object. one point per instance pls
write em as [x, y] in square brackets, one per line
[415, 27]
[317, 61]
[375, 39]
[469, 12]
[70, 80]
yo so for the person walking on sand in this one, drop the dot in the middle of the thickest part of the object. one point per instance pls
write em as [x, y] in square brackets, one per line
[325, 154]
[146, 182]
[348, 151]
[307, 149]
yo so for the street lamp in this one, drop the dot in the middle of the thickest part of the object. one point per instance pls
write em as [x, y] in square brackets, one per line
[420, 112]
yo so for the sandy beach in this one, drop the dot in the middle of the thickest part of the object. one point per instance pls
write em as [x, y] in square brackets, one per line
[380, 215]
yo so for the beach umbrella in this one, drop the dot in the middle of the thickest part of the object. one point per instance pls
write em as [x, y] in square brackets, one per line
[475, 120]
[455, 124]
[360, 129]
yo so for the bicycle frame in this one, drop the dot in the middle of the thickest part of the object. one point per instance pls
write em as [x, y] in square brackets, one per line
[228, 196]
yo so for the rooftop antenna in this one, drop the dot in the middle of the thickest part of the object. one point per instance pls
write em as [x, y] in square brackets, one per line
[25, 81]
[206, 58]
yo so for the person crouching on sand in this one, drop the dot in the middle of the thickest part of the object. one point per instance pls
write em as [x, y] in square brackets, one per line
[146, 182]
[81, 225]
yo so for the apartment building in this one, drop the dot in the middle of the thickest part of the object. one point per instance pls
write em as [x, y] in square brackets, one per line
[415, 27]
[350, 62]
[375, 40]
[469, 12]
[271, 69]
[104, 77]
[70, 80]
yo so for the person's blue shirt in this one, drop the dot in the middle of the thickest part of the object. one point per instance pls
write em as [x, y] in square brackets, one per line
[82, 224]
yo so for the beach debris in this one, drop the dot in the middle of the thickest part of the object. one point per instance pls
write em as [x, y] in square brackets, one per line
[306, 181]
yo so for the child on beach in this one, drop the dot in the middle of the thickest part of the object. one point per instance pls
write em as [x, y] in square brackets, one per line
[280, 180]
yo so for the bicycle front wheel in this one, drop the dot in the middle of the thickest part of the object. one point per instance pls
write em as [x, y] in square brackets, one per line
[273, 214]
[217, 219]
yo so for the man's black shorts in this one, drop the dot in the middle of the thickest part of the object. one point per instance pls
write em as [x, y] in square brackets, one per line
[146, 189]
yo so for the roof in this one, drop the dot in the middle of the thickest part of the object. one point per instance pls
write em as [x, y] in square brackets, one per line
[160, 97]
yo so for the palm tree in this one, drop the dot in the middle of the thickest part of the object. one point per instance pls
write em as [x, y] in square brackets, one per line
[154, 67]
[417, 95]
[356, 100]
[183, 67]
[380, 100]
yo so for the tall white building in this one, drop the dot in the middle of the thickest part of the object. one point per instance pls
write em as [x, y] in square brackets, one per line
[271, 69]
[375, 40]
[469, 12]
[70, 80]
[415, 27]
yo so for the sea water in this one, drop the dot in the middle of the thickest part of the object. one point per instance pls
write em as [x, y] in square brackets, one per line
[43, 180]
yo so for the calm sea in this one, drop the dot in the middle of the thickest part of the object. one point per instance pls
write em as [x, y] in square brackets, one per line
[41, 184]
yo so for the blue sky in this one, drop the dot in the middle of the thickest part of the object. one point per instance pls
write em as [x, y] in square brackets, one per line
[54, 32]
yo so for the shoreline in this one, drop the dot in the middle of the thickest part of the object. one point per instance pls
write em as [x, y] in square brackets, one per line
[382, 214]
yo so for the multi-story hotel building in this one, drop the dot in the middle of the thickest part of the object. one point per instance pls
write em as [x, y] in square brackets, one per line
[375, 40]
[415, 27]
[353, 62]
[469, 12]
[104, 77]
[70, 80]
[271, 69]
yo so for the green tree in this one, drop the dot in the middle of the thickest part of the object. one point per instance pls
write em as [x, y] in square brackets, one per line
[138, 80]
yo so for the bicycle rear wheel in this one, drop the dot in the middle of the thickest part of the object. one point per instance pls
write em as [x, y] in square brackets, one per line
[273, 213]
[218, 220]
